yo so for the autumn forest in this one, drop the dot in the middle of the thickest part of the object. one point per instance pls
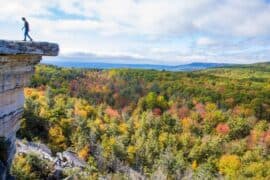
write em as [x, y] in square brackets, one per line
[204, 124]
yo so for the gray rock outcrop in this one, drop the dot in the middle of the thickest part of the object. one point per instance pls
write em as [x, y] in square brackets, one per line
[66, 159]
[29, 48]
[17, 61]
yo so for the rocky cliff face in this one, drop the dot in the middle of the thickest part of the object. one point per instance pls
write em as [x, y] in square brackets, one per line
[17, 61]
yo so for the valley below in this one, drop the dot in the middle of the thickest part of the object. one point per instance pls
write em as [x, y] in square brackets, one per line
[211, 123]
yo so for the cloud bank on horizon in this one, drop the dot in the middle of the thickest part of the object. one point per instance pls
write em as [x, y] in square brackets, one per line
[148, 31]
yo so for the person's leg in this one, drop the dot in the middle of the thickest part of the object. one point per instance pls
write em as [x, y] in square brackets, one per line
[25, 34]
[29, 37]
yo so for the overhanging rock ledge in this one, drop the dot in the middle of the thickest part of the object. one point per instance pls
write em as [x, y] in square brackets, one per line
[30, 48]
[17, 61]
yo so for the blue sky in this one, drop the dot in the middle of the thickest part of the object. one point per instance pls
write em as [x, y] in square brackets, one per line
[146, 31]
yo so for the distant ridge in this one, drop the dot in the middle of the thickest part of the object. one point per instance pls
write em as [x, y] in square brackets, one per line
[199, 66]
[101, 65]
[257, 66]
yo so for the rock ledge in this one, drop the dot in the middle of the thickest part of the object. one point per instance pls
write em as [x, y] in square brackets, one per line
[17, 65]
[29, 48]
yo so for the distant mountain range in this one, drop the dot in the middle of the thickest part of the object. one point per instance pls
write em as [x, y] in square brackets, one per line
[197, 66]
[101, 65]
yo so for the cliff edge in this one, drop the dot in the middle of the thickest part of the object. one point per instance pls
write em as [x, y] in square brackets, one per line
[17, 62]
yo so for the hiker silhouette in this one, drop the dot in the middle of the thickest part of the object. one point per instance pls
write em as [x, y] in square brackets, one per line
[26, 29]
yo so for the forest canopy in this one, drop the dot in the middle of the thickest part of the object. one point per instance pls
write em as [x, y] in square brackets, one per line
[209, 123]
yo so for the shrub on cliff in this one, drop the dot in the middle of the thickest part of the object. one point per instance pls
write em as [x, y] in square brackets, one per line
[31, 167]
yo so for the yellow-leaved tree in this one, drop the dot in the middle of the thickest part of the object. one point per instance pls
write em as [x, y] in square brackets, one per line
[84, 152]
[229, 165]
[57, 139]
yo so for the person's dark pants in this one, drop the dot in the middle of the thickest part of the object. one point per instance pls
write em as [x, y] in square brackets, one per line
[26, 35]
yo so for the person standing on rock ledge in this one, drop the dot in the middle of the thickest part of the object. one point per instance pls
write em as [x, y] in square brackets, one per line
[26, 29]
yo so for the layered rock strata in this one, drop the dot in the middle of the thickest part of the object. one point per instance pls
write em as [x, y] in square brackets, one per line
[17, 61]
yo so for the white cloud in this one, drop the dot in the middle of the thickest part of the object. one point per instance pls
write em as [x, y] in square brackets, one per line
[159, 17]
[155, 17]
[145, 28]
[205, 41]
[238, 18]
